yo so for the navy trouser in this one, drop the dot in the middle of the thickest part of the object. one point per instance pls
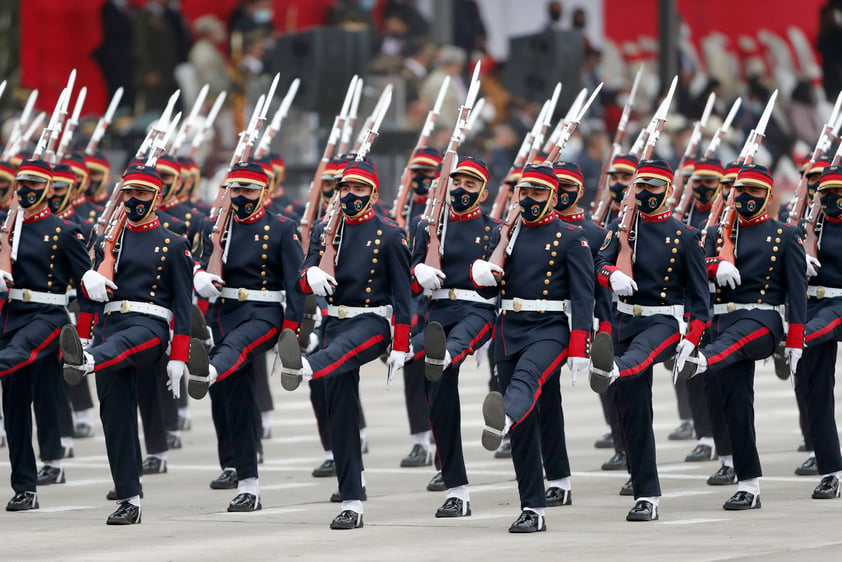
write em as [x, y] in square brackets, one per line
[551, 418]
[262, 388]
[319, 402]
[608, 400]
[237, 421]
[521, 377]
[239, 346]
[151, 399]
[80, 396]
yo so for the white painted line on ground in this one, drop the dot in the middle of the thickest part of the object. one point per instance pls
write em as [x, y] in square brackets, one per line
[691, 521]
[686, 493]
[288, 485]
[90, 482]
[270, 511]
[59, 508]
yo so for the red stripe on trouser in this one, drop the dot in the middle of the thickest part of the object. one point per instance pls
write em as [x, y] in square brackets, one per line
[544, 376]
[418, 354]
[33, 355]
[245, 353]
[648, 361]
[131, 351]
[822, 331]
[338, 363]
[737, 345]
[471, 345]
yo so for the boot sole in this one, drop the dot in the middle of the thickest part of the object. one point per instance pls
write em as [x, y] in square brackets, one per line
[290, 355]
[435, 349]
[197, 365]
[308, 321]
[494, 414]
[602, 357]
[198, 325]
[72, 354]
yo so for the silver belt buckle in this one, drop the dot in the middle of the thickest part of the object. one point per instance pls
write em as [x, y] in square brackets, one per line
[242, 294]
[343, 311]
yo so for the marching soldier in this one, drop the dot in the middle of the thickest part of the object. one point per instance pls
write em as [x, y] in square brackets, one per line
[650, 312]
[371, 286]
[246, 316]
[461, 320]
[547, 310]
[620, 175]
[100, 172]
[768, 276]
[85, 208]
[151, 289]
[54, 257]
[704, 182]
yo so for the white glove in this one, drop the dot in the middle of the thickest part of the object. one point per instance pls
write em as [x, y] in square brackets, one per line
[5, 276]
[482, 272]
[175, 370]
[682, 352]
[96, 285]
[622, 284]
[203, 282]
[428, 277]
[321, 283]
[813, 266]
[394, 363]
[86, 343]
[727, 274]
[313, 344]
[577, 364]
[793, 356]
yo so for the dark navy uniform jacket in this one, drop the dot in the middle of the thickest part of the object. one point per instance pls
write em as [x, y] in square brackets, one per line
[830, 276]
[468, 238]
[698, 215]
[51, 256]
[668, 268]
[550, 260]
[372, 269]
[771, 261]
[155, 266]
[287, 206]
[264, 254]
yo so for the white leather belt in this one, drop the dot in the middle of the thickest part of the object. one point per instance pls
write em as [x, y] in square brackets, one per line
[823, 292]
[536, 305]
[726, 308]
[460, 295]
[674, 310]
[38, 297]
[244, 295]
[343, 311]
[146, 308]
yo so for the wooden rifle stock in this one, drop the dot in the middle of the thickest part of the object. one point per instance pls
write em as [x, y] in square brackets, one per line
[109, 247]
[629, 211]
[219, 234]
[333, 216]
[498, 256]
[438, 206]
[726, 252]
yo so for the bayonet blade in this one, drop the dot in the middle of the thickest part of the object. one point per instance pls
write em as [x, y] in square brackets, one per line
[473, 89]
[587, 105]
[726, 125]
[708, 109]
[635, 84]
[112, 107]
[442, 92]
[27, 109]
[767, 114]
[576, 105]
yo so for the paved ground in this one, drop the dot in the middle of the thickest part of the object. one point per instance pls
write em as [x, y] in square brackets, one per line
[183, 519]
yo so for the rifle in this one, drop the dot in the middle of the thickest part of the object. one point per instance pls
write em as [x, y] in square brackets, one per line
[679, 182]
[726, 252]
[513, 217]
[53, 138]
[544, 118]
[328, 259]
[159, 128]
[574, 109]
[625, 258]
[440, 200]
[603, 194]
[191, 118]
[71, 125]
[52, 128]
[723, 128]
[829, 133]
[104, 122]
[402, 195]
[8, 245]
[199, 138]
[23, 139]
[20, 123]
[369, 122]
[311, 206]
[811, 238]
[348, 128]
[277, 120]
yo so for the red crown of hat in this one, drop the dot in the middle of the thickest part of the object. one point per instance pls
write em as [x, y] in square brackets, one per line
[568, 172]
[363, 172]
[37, 168]
[7, 170]
[754, 175]
[266, 165]
[425, 158]
[658, 169]
[77, 164]
[63, 174]
[831, 177]
[277, 160]
[708, 167]
[248, 173]
[472, 167]
[540, 177]
[688, 166]
[167, 164]
[624, 163]
[97, 162]
[731, 171]
[141, 175]
[818, 166]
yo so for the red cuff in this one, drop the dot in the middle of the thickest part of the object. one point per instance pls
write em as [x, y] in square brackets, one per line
[84, 325]
[604, 276]
[400, 340]
[578, 342]
[416, 288]
[605, 328]
[180, 347]
[305, 287]
[203, 305]
[795, 336]
[694, 335]
[471, 275]
[712, 265]
[290, 324]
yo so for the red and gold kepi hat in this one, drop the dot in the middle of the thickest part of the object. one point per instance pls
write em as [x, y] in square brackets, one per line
[167, 164]
[266, 165]
[707, 168]
[654, 173]
[688, 166]
[831, 177]
[97, 162]
[361, 171]
[731, 171]
[624, 163]
[539, 177]
[473, 167]
[7, 171]
[247, 175]
[754, 175]
[35, 170]
[140, 176]
[514, 176]
[426, 157]
[817, 167]
[331, 169]
[568, 173]
[342, 162]
[77, 165]
[63, 176]
[277, 161]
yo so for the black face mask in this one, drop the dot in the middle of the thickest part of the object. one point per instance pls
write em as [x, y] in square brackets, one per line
[616, 189]
[327, 195]
[244, 207]
[137, 210]
[555, 15]
[566, 199]
[461, 199]
[354, 205]
[29, 197]
[648, 201]
[421, 184]
[55, 203]
[832, 205]
[703, 194]
[747, 205]
[532, 210]
[812, 187]
[165, 190]
[93, 187]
